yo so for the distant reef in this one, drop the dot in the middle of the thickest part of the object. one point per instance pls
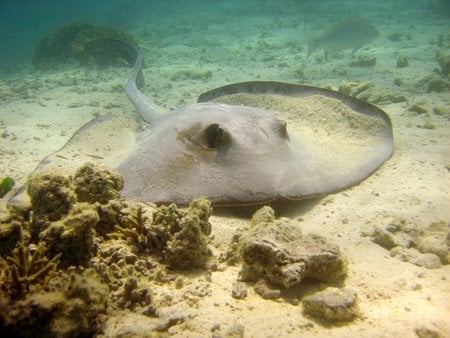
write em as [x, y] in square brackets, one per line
[82, 42]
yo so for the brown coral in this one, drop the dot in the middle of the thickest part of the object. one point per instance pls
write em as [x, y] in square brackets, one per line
[27, 266]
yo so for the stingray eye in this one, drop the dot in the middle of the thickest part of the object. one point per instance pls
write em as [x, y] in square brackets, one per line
[214, 135]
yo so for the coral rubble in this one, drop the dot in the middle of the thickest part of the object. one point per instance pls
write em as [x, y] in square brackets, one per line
[79, 252]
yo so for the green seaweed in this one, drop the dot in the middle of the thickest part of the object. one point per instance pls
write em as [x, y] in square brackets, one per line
[6, 185]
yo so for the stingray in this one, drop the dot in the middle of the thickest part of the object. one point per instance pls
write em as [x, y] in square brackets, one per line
[244, 143]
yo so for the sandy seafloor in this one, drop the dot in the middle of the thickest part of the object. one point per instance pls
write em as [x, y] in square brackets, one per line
[39, 111]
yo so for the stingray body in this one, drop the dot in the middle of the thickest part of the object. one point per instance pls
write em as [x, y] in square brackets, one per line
[230, 154]
[234, 147]
[234, 153]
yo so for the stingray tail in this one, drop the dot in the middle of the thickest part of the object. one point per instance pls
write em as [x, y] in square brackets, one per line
[147, 110]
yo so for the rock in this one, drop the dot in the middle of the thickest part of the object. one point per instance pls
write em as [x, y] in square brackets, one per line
[367, 92]
[434, 83]
[276, 252]
[442, 111]
[384, 238]
[354, 88]
[239, 290]
[444, 63]
[411, 255]
[425, 332]
[130, 324]
[73, 236]
[265, 214]
[396, 36]
[10, 234]
[429, 243]
[419, 109]
[187, 246]
[94, 183]
[332, 304]
[134, 294]
[51, 194]
[433, 240]
[444, 40]
[398, 82]
[266, 291]
[188, 74]
[364, 61]
[235, 330]
[177, 237]
[402, 62]
[71, 311]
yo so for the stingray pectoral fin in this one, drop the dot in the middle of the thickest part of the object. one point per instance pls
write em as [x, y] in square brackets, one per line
[105, 140]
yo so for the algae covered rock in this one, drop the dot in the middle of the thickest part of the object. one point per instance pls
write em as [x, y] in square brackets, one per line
[332, 304]
[10, 235]
[364, 61]
[444, 63]
[434, 83]
[186, 246]
[425, 246]
[412, 255]
[135, 294]
[369, 93]
[402, 62]
[51, 193]
[264, 214]
[434, 240]
[70, 310]
[177, 237]
[73, 236]
[97, 184]
[276, 251]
